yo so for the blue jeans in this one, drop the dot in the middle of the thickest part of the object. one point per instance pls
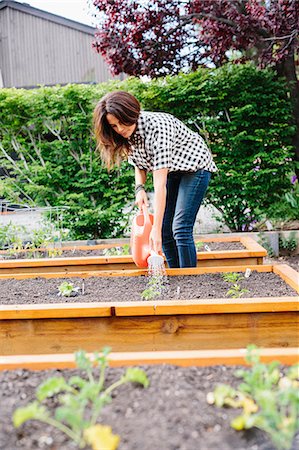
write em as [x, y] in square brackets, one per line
[185, 192]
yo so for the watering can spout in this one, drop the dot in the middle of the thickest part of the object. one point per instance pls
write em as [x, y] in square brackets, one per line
[140, 245]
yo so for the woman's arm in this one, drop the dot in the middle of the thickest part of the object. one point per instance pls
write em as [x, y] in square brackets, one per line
[140, 178]
[159, 178]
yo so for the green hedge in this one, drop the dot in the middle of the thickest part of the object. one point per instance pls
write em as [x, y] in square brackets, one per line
[47, 147]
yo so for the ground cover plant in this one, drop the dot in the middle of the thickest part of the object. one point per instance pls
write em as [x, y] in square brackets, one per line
[269, 399]
[80, 402]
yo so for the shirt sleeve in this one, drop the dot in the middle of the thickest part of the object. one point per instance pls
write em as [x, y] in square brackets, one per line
[161, 142]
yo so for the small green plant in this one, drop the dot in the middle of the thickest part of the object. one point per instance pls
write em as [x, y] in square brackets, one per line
[80, 402]
[126, 249]
[199, 245]
[235, 291]
[116, 251]
[67, 289]
[54, 252]
[270, 400]
[288, 243]
[155, 287]
[10, 235]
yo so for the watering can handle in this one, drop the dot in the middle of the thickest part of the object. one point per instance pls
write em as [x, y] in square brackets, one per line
[145, 213]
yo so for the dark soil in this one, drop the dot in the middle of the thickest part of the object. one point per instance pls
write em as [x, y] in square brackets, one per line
[171, 414]
[116, 251]
[292, 261]
[109, 289]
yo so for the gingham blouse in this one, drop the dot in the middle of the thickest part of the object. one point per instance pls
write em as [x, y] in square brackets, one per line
[162, 141]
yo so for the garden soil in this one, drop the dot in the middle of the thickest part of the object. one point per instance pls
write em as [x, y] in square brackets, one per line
[171, 414]
[112, 289]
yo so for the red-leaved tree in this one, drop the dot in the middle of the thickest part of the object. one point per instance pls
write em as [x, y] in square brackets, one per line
[159, 37]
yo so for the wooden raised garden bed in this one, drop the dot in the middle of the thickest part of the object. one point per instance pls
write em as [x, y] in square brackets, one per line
[251, 254]
[160, 325]
[183, 358]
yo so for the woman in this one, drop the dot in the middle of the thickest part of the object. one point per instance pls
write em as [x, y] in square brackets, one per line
[179, 159]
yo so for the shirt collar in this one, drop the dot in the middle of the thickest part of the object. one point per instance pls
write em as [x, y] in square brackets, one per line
[139, 130]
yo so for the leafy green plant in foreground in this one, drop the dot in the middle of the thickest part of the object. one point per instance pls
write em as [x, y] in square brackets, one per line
[236, 290]
[270, 400]
[80, 401]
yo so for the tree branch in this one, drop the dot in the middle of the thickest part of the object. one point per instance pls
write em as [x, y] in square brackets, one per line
[229, 22]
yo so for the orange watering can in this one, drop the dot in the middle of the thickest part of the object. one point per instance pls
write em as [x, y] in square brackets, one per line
[141, 229]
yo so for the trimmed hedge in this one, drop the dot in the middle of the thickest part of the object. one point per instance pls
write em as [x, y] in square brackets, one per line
[47, 147]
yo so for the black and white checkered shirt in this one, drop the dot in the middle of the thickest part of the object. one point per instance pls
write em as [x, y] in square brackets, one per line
[162, 141]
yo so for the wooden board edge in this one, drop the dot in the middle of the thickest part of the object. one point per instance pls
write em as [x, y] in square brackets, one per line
[288, 274]
[138, 272]
[151, 308]
[182, 358]
[252, 245]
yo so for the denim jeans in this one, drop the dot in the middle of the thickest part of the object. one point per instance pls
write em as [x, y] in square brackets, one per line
[185, 192]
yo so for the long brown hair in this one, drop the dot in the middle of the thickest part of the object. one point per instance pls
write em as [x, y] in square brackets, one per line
[112, 146]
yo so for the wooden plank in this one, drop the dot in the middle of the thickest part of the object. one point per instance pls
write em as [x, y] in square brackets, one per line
[226, 261]
[179, 358]
[56, 310]
[288, 274]
[210, 306]
[150, 308]
[82, 274]
[136, 272]
[58, 262]
[220, 269]
[253, 246]
[151, 333]
[202, 261]
[225, 254]
[219, 239]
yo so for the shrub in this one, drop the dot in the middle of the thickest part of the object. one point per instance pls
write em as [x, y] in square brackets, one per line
[47, 147]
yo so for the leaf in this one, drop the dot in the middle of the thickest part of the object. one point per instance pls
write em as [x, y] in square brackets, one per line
[77, 381]
[50, 387]
[136, 375]
[73, 417]
[222, 393]
[82, 360]
[238, 423]
[100, 437]
[31, 411]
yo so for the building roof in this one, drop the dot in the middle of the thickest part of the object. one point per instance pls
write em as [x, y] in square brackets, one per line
[26, 8]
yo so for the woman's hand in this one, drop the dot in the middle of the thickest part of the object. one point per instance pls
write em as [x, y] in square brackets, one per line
[156, 240]
[141, 199]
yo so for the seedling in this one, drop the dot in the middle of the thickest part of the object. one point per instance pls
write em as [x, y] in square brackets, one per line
[116, 251]
[235, 290]
[155, 287]
[54, 252]
[270, 400]
[199, 245]
[80, 402]
[67, 289]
